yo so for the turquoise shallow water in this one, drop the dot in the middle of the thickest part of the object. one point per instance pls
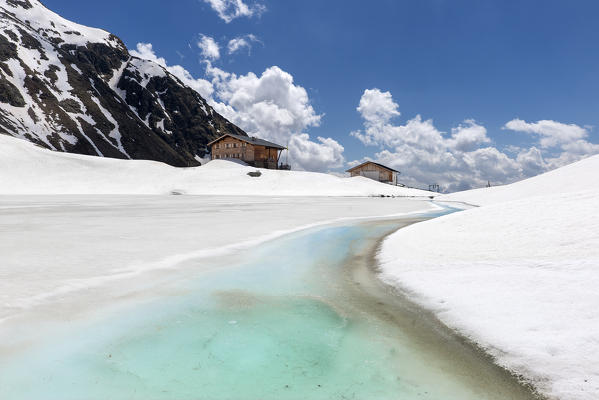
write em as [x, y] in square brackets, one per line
[279, 323]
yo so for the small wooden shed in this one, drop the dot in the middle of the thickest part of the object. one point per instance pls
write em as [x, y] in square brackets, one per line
[375, 171]
[256, 152]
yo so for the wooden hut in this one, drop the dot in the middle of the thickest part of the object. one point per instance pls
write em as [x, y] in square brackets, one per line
[375, 171]
[253, 151]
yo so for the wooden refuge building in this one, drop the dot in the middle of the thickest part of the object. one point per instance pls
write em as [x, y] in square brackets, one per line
[253, 151]
[375, 171]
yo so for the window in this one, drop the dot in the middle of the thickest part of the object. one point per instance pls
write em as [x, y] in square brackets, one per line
[244, 144]
[217, 146]
[235, 145]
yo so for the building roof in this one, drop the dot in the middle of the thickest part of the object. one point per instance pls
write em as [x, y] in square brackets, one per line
[372, 162]
[249, 139]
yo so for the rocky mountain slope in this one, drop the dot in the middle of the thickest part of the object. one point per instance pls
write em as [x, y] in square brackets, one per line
[72, 88]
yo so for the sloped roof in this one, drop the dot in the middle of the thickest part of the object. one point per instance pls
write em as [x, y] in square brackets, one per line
[372, 162]
[249, 139]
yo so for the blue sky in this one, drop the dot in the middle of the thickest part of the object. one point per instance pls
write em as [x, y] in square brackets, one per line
[449, 61]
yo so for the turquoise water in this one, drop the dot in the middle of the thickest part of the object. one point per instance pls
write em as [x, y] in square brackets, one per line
[281, 322]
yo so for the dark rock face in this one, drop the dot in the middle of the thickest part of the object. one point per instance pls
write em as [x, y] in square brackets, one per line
[77, 89]
[10, 94]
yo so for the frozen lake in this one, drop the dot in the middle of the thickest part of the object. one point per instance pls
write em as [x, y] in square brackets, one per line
[302, 316]
[53, 246]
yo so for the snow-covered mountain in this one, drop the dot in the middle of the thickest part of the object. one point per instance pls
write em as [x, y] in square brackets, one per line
[72, 88]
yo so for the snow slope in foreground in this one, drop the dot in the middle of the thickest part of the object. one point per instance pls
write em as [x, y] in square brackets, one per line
[28, 169]
[520, 278]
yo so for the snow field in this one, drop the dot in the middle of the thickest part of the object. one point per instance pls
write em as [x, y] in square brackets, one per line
[519, 276]
[55, 246]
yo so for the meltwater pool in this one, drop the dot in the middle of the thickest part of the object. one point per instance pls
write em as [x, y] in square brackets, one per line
[301, 317]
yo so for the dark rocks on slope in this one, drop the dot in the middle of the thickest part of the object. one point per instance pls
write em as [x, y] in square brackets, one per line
[10, 94]
[140, 116]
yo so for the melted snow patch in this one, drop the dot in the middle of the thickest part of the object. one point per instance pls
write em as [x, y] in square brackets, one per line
[160, 125]
[76, 69]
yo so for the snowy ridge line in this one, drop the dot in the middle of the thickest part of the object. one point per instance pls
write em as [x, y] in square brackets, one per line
[175, 260]
[40, 20]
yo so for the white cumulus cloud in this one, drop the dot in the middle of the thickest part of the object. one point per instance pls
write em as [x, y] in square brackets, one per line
[324, 155]
[377, 107]
[228, 10]
[465, 158]
[241, 42]
[209, 47]
[270, 105]
[468, 136]
[551, 133]
[531, 162]
[562, 143]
